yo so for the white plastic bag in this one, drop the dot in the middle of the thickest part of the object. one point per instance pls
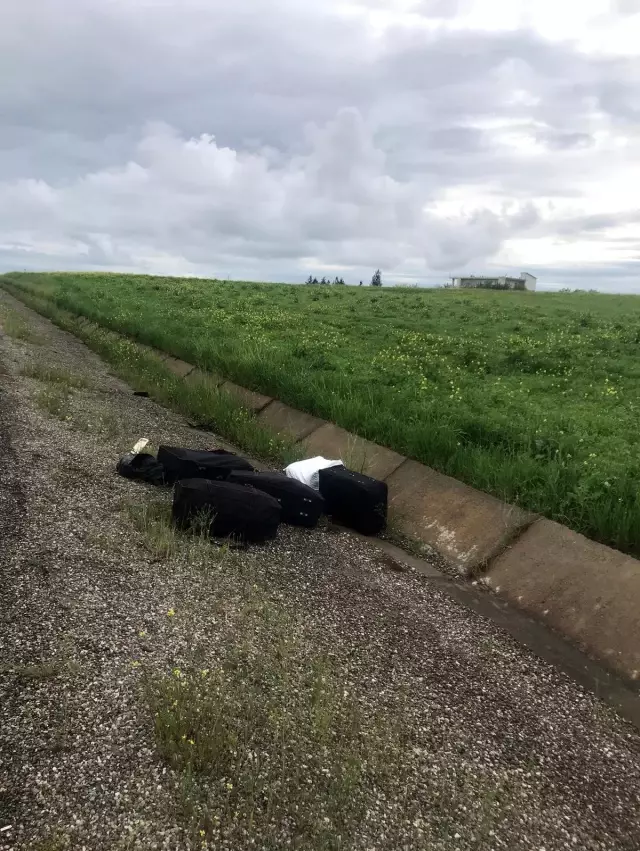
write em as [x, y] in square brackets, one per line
[307, 471]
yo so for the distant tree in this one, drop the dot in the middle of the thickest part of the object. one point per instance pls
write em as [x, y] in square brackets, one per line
[309, 280]
[360, 284]
[376, 281]
[338, 282]
[315, 280]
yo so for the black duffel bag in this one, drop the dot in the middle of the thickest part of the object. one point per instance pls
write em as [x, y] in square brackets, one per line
[142, 467]
[199, 464]
[355, 500]
[301, 505]
[229, 511]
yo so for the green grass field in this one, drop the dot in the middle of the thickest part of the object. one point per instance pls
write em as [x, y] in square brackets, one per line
[530, 396]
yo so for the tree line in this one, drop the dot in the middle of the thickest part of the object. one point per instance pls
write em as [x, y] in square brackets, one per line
[376, 281]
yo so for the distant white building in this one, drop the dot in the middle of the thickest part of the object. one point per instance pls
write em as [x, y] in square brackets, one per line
[524, 282]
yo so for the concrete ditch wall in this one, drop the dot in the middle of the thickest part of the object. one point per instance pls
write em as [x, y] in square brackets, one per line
[588, 592]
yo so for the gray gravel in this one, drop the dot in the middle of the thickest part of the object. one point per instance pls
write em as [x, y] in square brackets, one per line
[78, 767]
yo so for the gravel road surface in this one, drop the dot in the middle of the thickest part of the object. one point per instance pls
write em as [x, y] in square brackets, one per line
[506, 752]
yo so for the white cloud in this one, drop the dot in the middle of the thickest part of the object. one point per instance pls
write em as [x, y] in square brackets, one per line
[191, 201]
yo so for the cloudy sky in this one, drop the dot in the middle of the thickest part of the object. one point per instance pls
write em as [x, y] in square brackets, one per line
[268, 139]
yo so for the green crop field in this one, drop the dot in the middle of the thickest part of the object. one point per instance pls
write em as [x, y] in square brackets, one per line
[530, 396]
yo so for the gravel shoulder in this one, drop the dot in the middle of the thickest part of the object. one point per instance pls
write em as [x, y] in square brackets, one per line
[495, 748]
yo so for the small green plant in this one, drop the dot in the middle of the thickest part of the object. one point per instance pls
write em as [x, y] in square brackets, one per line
[13, 325]
[153, 521]
[42, 671]
[57, 840]
[55, 375]
[55, 401]
[272, 748]
[63, 664]
[270, 743]
[166, 543]
[98, 421]
[356, 457]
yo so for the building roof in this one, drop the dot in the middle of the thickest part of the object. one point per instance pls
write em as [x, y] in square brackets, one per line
[491, 277]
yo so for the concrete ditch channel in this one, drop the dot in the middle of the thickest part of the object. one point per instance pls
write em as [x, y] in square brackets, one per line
[500, 692]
